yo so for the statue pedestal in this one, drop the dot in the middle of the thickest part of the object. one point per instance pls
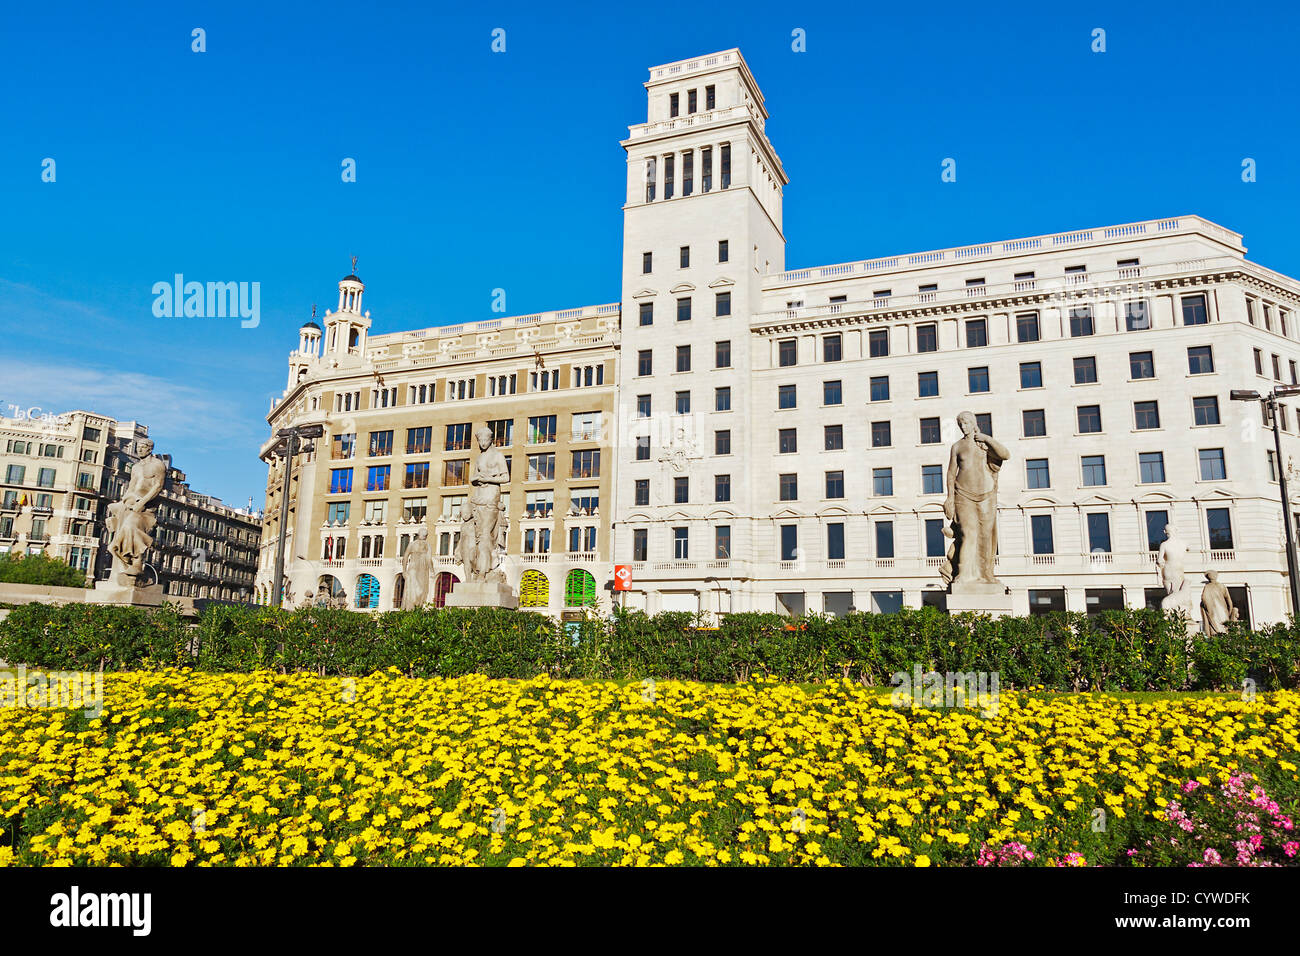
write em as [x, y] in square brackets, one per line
[107, 592]
[483, 594]
[980, 598]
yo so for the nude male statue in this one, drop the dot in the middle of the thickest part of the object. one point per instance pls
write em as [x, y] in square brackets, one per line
[972, 502]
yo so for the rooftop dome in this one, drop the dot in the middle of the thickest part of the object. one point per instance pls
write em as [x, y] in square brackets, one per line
[310, 325]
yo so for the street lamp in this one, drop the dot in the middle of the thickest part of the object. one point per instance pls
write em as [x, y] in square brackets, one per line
[287, 448]
[1269, 401]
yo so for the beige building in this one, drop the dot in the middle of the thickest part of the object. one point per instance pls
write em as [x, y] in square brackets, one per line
[400, 411]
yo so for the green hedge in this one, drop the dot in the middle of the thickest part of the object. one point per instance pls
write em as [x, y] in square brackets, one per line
[1116, 650]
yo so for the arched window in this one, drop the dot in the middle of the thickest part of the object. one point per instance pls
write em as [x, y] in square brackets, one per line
[579, 589]
[442, 586]
[534, 589]
[367, 591]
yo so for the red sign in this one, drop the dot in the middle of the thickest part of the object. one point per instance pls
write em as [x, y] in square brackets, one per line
[622, 577]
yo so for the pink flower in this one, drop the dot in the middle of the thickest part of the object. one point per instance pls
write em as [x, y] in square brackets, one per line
[1212, 857]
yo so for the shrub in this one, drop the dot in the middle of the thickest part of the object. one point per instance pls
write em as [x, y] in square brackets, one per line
[39, 569]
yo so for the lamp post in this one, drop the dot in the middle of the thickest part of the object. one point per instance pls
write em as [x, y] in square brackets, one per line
[287, 448]
[1269, 401]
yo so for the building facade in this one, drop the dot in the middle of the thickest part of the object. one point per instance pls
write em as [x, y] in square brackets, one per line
[62, 471]
[778, 440]
[400, 412]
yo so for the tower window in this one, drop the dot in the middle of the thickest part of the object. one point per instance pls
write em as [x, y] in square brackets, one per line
[685, 257]
[688, 172]
[706, 168]
[710, 98]
[647, 262]
[674, 104]
[650, 175]
[691, 100]
[723, 251]
[668, 176]
[725, 165]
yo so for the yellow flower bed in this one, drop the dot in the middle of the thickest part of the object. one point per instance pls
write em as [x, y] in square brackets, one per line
[257, 769]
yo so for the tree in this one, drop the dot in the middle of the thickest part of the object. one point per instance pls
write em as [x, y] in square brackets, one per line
[39, 569]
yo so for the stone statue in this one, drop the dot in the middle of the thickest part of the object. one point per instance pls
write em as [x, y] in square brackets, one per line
[416, 568]
[1171, 560]
[129, 522]
[972, 506]
[1216, 605]
[482, 528]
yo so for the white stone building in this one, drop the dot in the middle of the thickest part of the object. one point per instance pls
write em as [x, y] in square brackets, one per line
[787, 432]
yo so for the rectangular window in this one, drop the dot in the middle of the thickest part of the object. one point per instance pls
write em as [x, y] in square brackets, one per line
[414, 509]
[647, 262]
[1206, 410]
[785, 396]
[832, 348]
[381, 444]
[881, 436]
[1146, 415]
[722, 441]
[337, 512]
[1099, 533]
[1085, 370]
[683, 358]
[419, 441]
[682, 544]
[674, 103]
[710, 98]
[884, 539]
[834, 484]
[1151, 467]
[643, 406]
[542, 467]
[454, 473]
[641, 492]
[684, 257]
[688, 173]
[1040, 527]
[977, 333]
[722, 398]
[984, 422]
[646, 313]
[724, 165]
[789, 542]
[878, 343]
[1094, 470]
[932, 480]
[789, 487]
[681, 491]
[1213, 467]
[835, 541]
[787, 441]
[1194, 311]
[978, 379]
[1219, 523]
[1156, 522]
[1200, 360]
[585, 464]
[927, 338]
[833, 394]
[669, 162]
[1141, 365]
[724, 250]
[1081, 322]
[1031, 375]
[1089, 419]
[642, 447]
[722, 354]
[927, 384]
[1034, 422]
[1037, 473]
[721, 487]
[340, 481]
[541, 429]
[931, 431]
[1136, 317]
[684, 309]
[936, 546]
[691, 97]
[683, 402]
[834, 437]
[787, 352]
[377, 477]
[458, 437]
[721, 305]
[644, 362]
[722, 542]
[882, 481]
[1027, 329]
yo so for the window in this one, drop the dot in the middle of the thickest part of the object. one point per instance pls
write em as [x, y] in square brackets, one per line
[1194, 311]
[337, 512]
[1094, 470]
[1099, 532]
[381, 444]
[789, 542]
[647, 313]
[674, 104]
[1259, 362]
[454, 473]
[647, 263]
[643, 406]
[834, 484]
[1151, 467]
[1141, 365]
[978, 379]
[377, 477]
[414, 509]
[669, 169]
[721, 487]
[1081, 322]
[1205, 410]
[691, 98]
[880, 435]
[722, 542]
[977, 333]
[683, 402]
[684, 309]
[724, 165]
[419, 441]
[787, 441]
[878, 343]
[927, 384]
[681, 491]
[724, 250]
[722, 441]
[927, 338]
[785, 396]
[684, 257]
[1089, 419]
[1027, 327]
[931, 431]
[884, 539]
[1136, 318]
[1146, 415]
[641, 492]
[1037, 473]
[789, 487]
[585, 426]
[542, 467]
[340, 480]
[832, 393]
[503, 431]
[1031, 375]
[1034, 422]
[642, 447]
[787, 352]
[835, 541]
[722, 354]
[722, 398]
[1219, 523]
[45, 479]
[1040, 527]
[984, 422]
[1213, 467]
[832, 347]
[644, 362]
[586, 464]
[834, 437]
[1200, 360]
[1085, 370]
[458, 437]
[722, 304]
[683, 358]
[541, 429]
[932, 480]
[935, 545]
[882, 481]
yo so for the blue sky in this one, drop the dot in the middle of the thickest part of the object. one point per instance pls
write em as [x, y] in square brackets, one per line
[478, 171]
